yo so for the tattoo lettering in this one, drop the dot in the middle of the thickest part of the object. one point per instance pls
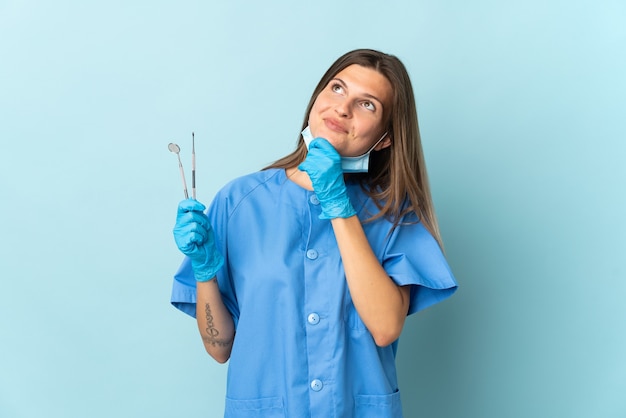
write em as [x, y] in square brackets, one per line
[210, 330]
[212, 333]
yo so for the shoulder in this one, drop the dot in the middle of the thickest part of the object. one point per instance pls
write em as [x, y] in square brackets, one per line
[244, 185]
[237, 190]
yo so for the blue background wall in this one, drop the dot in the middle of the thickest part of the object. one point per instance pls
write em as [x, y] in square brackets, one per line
[521, 108]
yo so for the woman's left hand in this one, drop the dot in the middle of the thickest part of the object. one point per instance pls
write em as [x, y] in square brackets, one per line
[323, 165]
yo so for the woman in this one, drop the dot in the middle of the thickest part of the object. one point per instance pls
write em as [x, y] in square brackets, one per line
[302, 274]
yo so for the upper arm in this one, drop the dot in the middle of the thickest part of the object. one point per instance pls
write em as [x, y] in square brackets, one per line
[405, 293]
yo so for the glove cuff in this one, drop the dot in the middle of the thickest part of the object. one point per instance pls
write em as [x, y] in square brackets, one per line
[337, 209]
[203, 272]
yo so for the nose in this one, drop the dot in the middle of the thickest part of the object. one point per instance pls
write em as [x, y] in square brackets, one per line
[343, 109]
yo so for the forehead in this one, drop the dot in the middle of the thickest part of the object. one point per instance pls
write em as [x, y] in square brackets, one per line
[364, 80]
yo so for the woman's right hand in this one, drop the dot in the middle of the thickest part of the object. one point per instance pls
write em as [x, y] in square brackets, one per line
[323, 165]
[194, 237]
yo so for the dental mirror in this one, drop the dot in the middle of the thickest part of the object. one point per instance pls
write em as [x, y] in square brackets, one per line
[176, 149]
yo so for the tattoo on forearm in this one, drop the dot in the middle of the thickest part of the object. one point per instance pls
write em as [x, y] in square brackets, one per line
[212, 333]
[210, 329]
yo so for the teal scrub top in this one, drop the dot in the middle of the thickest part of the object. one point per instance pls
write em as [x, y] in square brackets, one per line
[301, 349]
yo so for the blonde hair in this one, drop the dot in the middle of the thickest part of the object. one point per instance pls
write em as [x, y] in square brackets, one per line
[397, 180]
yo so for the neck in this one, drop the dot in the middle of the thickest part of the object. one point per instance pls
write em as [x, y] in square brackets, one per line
[301, 178]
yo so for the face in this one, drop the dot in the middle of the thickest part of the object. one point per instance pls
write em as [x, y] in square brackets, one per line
[351, 110]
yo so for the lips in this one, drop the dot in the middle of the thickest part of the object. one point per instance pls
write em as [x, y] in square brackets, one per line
[335, 126]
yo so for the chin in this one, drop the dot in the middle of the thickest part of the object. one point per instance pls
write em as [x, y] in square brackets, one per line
[328, 135]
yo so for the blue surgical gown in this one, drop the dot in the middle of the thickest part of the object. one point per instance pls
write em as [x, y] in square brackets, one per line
[301, 349]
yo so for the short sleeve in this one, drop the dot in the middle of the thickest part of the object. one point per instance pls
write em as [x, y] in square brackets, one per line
[184, 289]
[183, 295]
[413, 257]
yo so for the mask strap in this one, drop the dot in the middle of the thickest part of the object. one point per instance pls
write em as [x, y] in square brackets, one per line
[373, 146]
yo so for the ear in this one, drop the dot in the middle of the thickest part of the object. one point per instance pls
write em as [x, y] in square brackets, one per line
[384, 143]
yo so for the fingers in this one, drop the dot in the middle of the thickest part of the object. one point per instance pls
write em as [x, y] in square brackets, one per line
[199, 218]
[191, 218]
[321, 157]
[321, 147]
[192, 227]
[189, 237]
[200, 229]
[320, 142]
[190, 205]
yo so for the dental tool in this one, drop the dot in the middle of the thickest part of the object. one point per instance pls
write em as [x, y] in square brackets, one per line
[193, 166]
[176, 149]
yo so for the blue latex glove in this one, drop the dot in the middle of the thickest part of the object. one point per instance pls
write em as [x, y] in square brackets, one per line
[194, 237]
[323, 165]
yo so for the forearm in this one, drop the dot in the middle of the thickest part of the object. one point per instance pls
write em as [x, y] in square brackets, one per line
[381, 304]
[214, 321]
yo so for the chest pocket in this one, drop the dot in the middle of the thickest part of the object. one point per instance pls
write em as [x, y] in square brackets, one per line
[378, 406]
[254, 408]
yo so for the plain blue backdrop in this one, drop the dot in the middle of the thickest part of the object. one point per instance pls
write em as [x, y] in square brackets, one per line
[522, 112]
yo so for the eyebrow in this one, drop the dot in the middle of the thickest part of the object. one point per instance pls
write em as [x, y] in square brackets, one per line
[369, 96]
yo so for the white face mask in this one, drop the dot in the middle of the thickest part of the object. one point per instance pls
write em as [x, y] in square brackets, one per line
[359, 164]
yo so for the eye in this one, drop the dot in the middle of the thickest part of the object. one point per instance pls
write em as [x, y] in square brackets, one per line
[337, 88]
[369, 105]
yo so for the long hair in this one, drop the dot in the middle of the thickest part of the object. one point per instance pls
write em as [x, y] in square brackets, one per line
[397, 180]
